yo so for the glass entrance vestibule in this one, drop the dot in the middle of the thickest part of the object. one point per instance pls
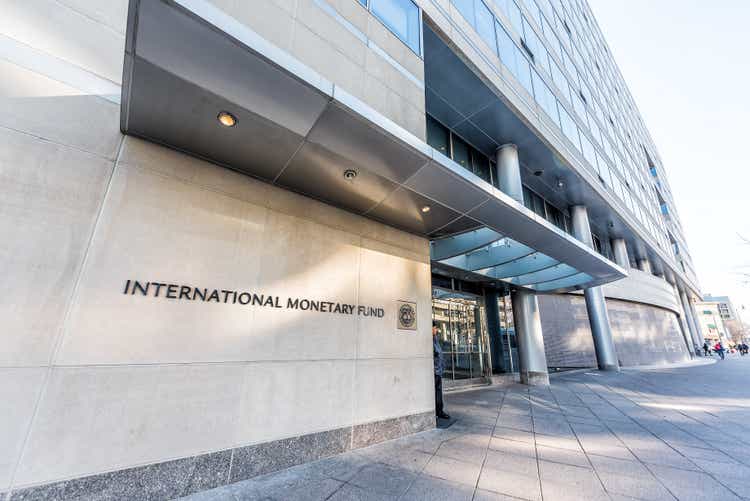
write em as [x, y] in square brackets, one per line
[469, 338]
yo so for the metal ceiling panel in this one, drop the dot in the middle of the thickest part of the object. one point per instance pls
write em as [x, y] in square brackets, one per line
[318, 172]
[172, 111]
[438, 181]
[353, 138]
[460, 225]
[404, 209]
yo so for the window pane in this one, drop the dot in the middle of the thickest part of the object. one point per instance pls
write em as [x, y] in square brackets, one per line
[485, 24]
[506, 48]
[545, 98]
[466, 8]
[481, 165]
[438, 136]
[401, 17]
[569, 127]
[524, 73]
[461, 153]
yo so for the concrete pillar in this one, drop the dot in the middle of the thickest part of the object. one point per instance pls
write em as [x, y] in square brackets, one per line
[509, 172]
[497, 350]
[691, 320]
[620, 250]
[687, 333]
[644, 265]
[606, 355]
[532, 360]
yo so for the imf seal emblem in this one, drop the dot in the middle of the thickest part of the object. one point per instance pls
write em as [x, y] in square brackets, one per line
[407, 315]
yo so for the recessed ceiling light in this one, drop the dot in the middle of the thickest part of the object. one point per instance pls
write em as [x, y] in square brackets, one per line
[226, 119]
[426, 208]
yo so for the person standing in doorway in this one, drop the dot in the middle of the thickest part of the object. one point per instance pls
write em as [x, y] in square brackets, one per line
[437, 358]
[719, 348]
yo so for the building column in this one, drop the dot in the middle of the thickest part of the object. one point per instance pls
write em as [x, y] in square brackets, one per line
[532, 360]
[509, 172]
[497, 350]
[687, 331]
[644, 265]
[620, 250]
[606, 355]
[691, 320]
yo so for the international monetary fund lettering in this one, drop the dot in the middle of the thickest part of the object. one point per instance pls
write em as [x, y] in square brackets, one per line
[179, 292]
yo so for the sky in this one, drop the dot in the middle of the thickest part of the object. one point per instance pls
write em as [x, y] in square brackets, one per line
[687, 66]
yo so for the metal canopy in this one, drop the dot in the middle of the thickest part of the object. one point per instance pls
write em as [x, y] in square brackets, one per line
[186, 60]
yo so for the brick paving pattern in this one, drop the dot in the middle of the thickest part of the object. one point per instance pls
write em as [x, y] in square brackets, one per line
[663, 434]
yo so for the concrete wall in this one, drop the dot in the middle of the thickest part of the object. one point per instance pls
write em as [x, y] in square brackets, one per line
[93, 380]
[643, 334]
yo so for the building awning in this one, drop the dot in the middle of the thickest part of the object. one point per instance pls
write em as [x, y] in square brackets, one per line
[186, 61]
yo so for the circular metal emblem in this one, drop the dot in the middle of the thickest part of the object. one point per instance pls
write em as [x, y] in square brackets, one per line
[407, 315]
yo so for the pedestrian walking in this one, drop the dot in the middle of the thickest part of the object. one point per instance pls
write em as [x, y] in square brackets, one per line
[719, 348]
[437, 359]
[705, 349]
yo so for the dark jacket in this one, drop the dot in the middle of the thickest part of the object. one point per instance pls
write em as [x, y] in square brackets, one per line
[437, 356]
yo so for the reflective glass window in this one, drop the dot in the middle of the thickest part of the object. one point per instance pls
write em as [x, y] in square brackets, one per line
[569, 127]
[524, 74]
[438, 136]
[506, 48]
[481, 165]
[466, 8]
[588, 150]
[401, 17]
[461, 152]
[545, 98]
[485, 24]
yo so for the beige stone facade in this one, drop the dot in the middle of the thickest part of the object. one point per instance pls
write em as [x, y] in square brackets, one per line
[94, 380]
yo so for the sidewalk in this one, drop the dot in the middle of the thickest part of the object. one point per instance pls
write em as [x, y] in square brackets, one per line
[676, 433]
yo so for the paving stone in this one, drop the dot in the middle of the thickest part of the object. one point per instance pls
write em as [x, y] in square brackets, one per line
[350, 492]
[564, 456]
[513, 447]
[427, 488]
[383, 479]
[511, 434]
[510, 483]
[646, 488]
[692, 485]
[453, 470]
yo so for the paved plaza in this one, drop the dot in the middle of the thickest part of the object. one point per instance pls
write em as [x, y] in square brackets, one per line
[676, 433]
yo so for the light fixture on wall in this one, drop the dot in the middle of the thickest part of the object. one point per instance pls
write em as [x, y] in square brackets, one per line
[226, 119]
[560, 183]
[426, 209]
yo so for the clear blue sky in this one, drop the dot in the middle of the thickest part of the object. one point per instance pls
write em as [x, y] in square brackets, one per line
[687, 64]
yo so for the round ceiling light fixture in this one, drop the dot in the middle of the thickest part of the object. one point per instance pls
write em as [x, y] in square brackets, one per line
[226, 119]
[350, 174]
[426, 209]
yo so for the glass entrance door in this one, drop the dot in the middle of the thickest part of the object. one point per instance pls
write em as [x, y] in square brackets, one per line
[463, 336]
